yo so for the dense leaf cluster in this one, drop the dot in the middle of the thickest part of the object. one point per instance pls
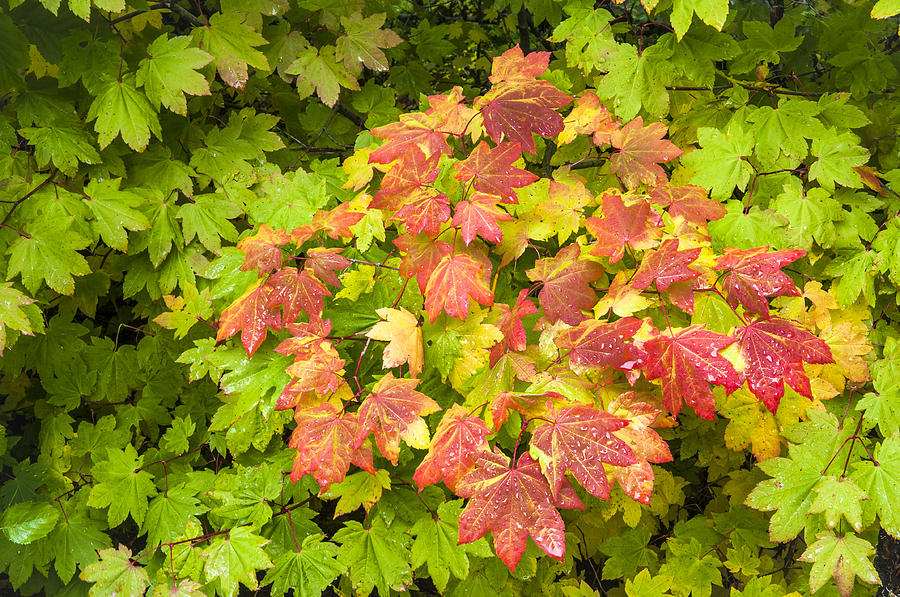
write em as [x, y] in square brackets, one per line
[461, 297]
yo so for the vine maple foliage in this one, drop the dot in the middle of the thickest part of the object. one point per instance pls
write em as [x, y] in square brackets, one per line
[621, 349]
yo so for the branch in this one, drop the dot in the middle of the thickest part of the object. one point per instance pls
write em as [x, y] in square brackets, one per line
[183, 12]
[350, 115]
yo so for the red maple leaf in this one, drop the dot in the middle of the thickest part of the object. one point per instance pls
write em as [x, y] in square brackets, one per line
[323, 439]
[480, 215]
[250, 315]
[421, 255]
[456, 279]
[261, 251]
[775, 350]
[510, 323]
[636, 225]
[335, 223]
[600, 343]
[666, 266]
[455, 115]
[528, 405]
[306, 338]
[513, 65]
[493, 170]
[409, 175]
[578, 438]
[513, 502]
[296, 291]
[516, 109]
[688, 361]
[640, 151]
[424, 212]
[688, 202]
[394, 411]
[589, 117]
[325, 261]
[566, 290]
[457, 440]
[754, 274]
[414, 131]
[317, 368]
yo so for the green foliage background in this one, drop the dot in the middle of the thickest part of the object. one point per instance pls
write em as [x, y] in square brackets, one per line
[143, 139]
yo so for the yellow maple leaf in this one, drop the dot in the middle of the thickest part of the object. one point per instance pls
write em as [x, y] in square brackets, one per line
[404, 337]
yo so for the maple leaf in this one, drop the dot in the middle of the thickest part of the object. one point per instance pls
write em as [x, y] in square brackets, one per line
[640, 151]
[621, 298]
[121, 109]
[689, 202]
[323, 439]
[424, 211]
[453, 450]
[394, 411]
[411, 173]
[666, 266]
[514, 502]
[754, 274]
[14, 313]
[251, 315]
[510, 324]
[514, 65]
[324, 261]
[422, 256]
[775, 350]
[603, 344]
[296, 291]
[578, 438]
[480, 216]
[688, 361]
[232, 41]
[454, 113]
[318, 69]
[261, 251]
[637, 479]
[363, 40]
[169, 71]
[413, 131]
[116, 574]
[636, 225]
[566, 289]
[454, 280]
[588, 117]
[321, 371]
[404, 336]
[516, 109]
[493, 171]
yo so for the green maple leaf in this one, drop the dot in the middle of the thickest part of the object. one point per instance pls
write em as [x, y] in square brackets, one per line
[810, 215]
[171, 71]
[114, 211]
[692, 568]
[17, 313]
[185, 588]
[362, 42]
[169, 514]
[118, 369]
[760, 587]
[231, 41]
[436, 545]
[235, 558]
[360, 489]
[834, 111]
[781, 131]
[711, 12]
[26, 522]
[855, 273]
[289, 200]
[164, 231]
[49, 254]
[318, 70]
[698, 51]
[880, 407]
[207, 219]
[116, 574]
[588, 36]
[838, 154]
[836, 497]
[765, 44]
[756, 228]
[634, 80]
[881, 481]
[844, 558]
[790, 491]
[645, 585]
[156, 169]
[64, 144]
[75, 541]
[721, 163]
[120, 485]
[177, 438]
[121, 109]
[627, 553]
[378, 556]
[307, 571]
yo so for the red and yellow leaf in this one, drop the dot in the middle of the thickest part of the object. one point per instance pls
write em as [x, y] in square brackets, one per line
[492, 170]
[458, 439]
[636, 225]
[641, 150]
[251, 315]
[566, 290]
[754, 274]
[323, 439]
[404, 337]
[598, 343]
[456, 279]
